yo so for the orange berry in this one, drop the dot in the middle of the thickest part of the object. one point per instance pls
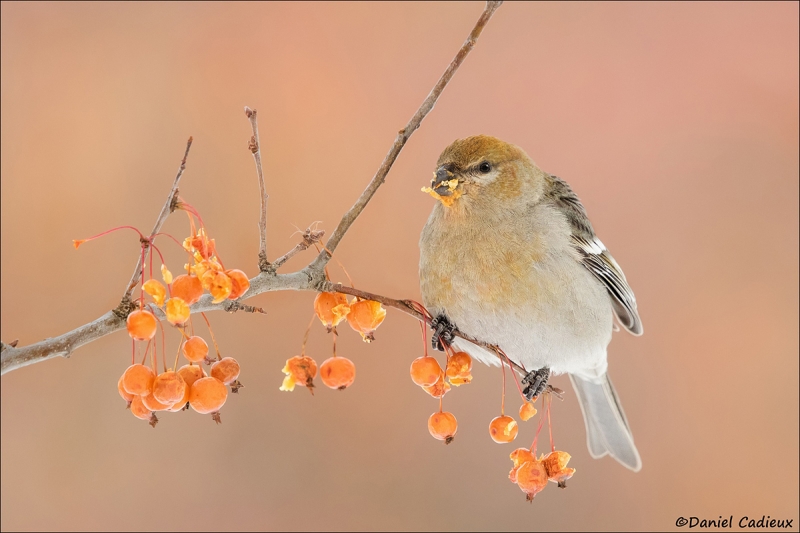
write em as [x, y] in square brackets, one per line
[331, 308]
[152, 403]
[226, 370]
[299, 369]
[177, 311]
[555, 463]
[127, 396]
[191, 373]
[503, 429]
[195, 349]
[365, 316]
[218, 284]
[443, 426]
[169, 387]
[438, 389]
[338, 372]
[180, 404]
[187, 288]
[156, 290]
[141, 325]
[527, 411]
[519, 456]
[459, 365]
[532, 478]
[138, 380]
[141, 411]
[208, 395]
[239, 283]
[425, 371]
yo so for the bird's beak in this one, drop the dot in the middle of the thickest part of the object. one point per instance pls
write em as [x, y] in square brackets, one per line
[444, 186]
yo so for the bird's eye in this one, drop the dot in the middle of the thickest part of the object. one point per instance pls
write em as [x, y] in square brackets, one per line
[485, 167]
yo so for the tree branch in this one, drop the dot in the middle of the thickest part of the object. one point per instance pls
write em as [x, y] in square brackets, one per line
[169, 207]
[255, 147]
[403, 136]
[311, 278]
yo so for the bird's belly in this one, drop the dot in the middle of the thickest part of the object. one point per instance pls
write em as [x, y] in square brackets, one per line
[555, 314]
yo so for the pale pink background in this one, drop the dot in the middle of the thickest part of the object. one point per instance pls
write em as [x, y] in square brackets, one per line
[677, 124]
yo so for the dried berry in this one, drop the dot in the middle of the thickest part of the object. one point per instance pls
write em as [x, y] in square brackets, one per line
[139, 410]
[218, 284]
[239, 283]
[532, 478]
[459, 365]
[301, 370]
[156, 290]
[331, 308]
[503, 429]
[365, 316]
[127, 396]
[338, 372]
[138, 380]
[191, 373]
[527, 411]
[152, 403]
[425, 371]
[519, 456]
[443, 426]
[195, 349]
[555, 463]
[438, 389]
[141, 325]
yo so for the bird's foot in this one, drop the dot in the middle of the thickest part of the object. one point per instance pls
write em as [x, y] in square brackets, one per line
[443, 332]
[535, 382]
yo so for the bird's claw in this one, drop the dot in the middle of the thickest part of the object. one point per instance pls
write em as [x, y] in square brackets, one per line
[535, 382]
[443, 332]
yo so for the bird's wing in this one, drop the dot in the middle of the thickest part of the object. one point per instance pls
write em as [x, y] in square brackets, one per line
[594, 256]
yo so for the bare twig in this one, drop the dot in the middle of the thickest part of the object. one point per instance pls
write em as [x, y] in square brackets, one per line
[309, 238]
[403, 136]
[169, 206]
[311, 278]
[255, 148]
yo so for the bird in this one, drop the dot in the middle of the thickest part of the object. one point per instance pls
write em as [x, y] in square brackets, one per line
[509, 256]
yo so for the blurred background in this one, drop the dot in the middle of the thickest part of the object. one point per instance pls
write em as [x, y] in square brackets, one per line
[676, 124]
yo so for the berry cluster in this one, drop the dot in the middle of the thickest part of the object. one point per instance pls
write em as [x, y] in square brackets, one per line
[144, 389]
[337, 372]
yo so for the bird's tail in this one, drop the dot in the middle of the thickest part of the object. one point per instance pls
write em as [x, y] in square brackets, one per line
[607, 430]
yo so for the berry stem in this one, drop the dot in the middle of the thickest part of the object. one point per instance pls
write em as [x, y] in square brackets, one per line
[305, 337]
[78, 242]
[337, 262]
[213, 339]
[186, 206]
[538, 429]
[177, 355]
[163, 343]
[335, 335]
[141, 281]
[146, 349]
[133, 351]
[549, 424]
[503, 396]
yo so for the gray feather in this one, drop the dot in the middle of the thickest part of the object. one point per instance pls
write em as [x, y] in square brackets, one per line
[607, 430]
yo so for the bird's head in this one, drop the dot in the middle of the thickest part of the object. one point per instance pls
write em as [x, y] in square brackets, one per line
[483, 170]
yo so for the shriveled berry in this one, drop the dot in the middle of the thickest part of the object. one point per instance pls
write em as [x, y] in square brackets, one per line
[555, 463]
[177, 311]
[519, 456]
[195, 349]
[127, 396]
[138, 380]
[443, 426]
[141, 325]
[338, 372]
[503, 429]
[187, 288]
[301, 370]
[226, 370]
[527, 411]
[191, 373]
[166, 274]
[208, 395]
[425, 371]
[438, 389]
[532, 478]
[218, 284]
[459, 365]
[152, 403]
[156, 290]
[331, 308]
[239, 283]
[169, 387]
[365, 316]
